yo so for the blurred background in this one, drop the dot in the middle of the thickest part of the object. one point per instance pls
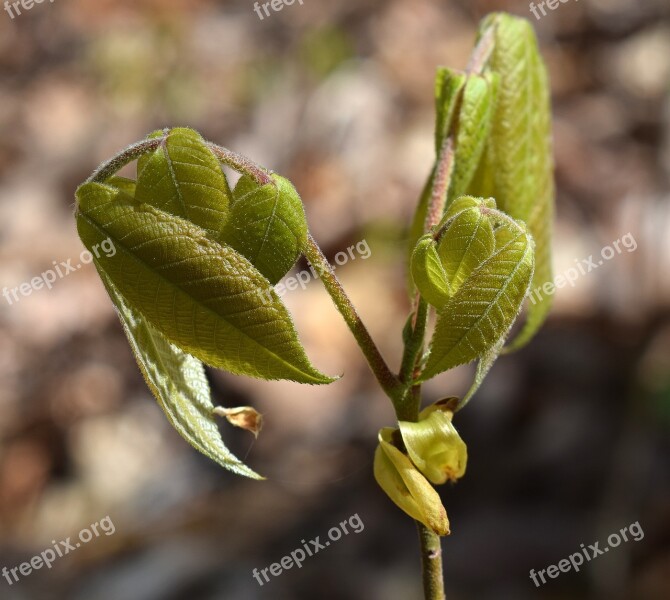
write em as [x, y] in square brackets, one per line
[568, 439]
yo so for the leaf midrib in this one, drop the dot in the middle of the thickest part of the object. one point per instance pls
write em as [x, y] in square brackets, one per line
[494, 301]
[207, 308]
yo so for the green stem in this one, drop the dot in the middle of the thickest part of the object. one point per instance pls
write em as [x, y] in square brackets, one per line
[482, 52]
[234, 160]
[431, 563]
[240, 163]
[408, 407]
[415, 343]
[430, 543]
[388, 381]
[131, 153]
[440, 184]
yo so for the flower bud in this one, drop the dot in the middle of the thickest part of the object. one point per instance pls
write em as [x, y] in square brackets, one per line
[434, 445]
[408, 488]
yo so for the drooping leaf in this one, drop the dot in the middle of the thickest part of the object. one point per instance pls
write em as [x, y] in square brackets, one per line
[182, 177]
[202, 295]
[177, 381]
[428, 273]
[484, 307]
[517, 167]
[267, 225]
[467, 242]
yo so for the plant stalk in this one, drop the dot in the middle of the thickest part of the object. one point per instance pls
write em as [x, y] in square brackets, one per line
[240, 163]
[408, 409]
[128, 155]
[431, 563]
[391, 385]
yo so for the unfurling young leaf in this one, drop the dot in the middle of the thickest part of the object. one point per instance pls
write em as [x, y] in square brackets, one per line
[449, 85]
[177, 381]
[472, 130]
[485, 306]
[464, 106]
[267, 225]
[202, 295]
[428, 272]
[517, 167]
[183, 178]
[467, 242]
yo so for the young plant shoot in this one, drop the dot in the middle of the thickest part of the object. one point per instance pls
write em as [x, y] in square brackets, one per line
[195, 264]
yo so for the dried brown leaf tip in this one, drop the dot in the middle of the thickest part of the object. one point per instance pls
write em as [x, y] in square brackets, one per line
[244, 417]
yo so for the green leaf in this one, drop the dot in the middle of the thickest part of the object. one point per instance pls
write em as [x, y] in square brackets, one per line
[184, 178]
[467, 242]
[517, 167]
[463, 203]
[540, 224]
[484, 307]
[417, 228]
[483, 367]
[202, 295]
[122, 183]
[267, 225]
[428, 273]
[449, 85]
[472, 130]
[177, 381]
[145, 158]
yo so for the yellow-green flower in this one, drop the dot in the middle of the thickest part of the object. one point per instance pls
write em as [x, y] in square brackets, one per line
[434, 446]
[406, 486]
